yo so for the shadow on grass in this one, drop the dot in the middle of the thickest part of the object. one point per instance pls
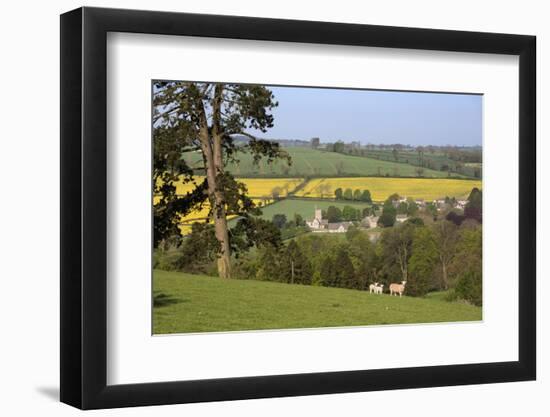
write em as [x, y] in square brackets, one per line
[163, 300]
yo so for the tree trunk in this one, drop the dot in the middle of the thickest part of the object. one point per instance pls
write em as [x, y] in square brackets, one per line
[224, 258]
[444, 275]
[213, 156]
[403, 259]
[220, 218]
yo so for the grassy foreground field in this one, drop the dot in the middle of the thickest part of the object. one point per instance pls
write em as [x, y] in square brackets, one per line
[184, 303]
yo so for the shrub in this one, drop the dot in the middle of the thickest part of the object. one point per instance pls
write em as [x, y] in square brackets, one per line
[469, 288]
[317, 280]
[167, 260]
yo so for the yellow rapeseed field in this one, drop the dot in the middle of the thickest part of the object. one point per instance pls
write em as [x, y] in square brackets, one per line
[260, 188]
[257, 187]
[381, 188]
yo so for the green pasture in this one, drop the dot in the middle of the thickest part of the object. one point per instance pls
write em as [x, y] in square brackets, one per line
[318, 163]
[304, 207]
[184, 303]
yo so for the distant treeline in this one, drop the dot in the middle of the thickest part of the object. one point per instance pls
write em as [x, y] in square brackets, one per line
[452, 159]
[463, 160]
[289, 143]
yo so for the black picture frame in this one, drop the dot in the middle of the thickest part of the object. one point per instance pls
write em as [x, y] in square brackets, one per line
[84, 208]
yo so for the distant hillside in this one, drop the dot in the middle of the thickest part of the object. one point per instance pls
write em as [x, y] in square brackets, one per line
[287, 143]
[434, 160]
[318, 163]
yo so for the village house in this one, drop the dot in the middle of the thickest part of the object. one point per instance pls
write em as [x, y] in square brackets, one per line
[439, 204]
[340, 227]
[420, 202]
[400, 218]
[318, 224]
[461, 204]
[398, 201]
[370, 221]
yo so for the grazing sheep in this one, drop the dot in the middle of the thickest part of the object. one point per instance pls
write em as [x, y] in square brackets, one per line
[397, 288]
[379, 289]
[372, 288]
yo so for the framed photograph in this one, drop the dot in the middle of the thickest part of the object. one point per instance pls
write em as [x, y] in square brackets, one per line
[259, 208]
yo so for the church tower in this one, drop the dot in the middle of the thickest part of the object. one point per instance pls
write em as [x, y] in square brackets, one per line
[318, 214]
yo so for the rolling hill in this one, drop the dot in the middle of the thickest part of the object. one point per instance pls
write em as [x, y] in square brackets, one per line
[184, 303]
[319, 163]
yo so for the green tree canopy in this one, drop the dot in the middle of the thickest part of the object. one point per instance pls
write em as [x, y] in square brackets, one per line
[467, 265]
[396, 244]
[345, 273]
[299, 220]
[279, 220]
[474, 207]
[366, 197]
[446, 237]
[422, 263]
[348, 194]
[350, 213]
[205, 117]
[334, 214]
[389, 213]
[295, 267]
[402, 208]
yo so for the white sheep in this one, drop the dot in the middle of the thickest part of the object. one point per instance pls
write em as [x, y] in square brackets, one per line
[372, 288]
[379, 289]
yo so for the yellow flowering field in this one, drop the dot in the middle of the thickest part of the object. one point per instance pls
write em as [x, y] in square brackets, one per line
[261, 188]
[381, 188]
[257, 187]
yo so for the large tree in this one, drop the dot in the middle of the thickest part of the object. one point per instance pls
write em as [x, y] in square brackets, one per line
[205, 118]
[474, 208]
[396, 248]
[467, 265]
[446, 236]
[366, 197]
[295, 267]
[389, 213]
[422, 262]
[334, 214]
[348, 194]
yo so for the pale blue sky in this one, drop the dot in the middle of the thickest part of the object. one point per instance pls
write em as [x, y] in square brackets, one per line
[379, 117]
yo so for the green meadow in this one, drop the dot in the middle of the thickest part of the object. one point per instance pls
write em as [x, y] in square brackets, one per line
[305, 208]
[184, 303]
[319, 163]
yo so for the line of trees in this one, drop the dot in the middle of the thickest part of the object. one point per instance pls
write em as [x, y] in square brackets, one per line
[353, 195]
[442, 158]
[348, 213]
